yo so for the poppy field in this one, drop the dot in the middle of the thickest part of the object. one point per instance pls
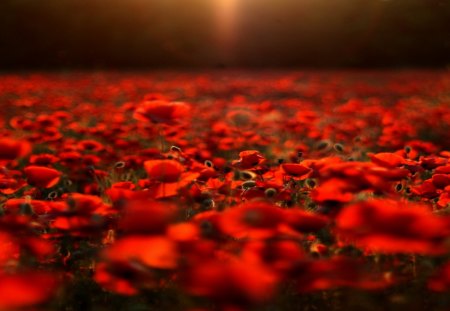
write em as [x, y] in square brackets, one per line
[225, 190]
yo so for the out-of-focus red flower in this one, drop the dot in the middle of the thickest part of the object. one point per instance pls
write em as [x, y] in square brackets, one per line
[249, 159]
[43, 159]
[336, 272]
[165, 171]
[26, 289]
[304, 221]
[444, 199]
[441, 180]
[257, 219]
[235, 283]
[281, 255]
[153, 251]
[162, 111]
[393, 227]
[387, 159]
[147, 217]
[334, 190]
[11, 149]
[41, 176]
[296, 170]
[15, 206]
[90, 145]
[85, 204]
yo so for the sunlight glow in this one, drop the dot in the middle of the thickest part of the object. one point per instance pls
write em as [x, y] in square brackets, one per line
[226, 21]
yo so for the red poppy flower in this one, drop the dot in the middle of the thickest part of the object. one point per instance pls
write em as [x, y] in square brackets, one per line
[387, 159]
[304, 221]
[390, 226]
[282, 255]
[15, 206]
[296, 170]
[86, 204]
[444, 199]
[165, 171]
[334, 190]
[26, 289]
[161, 111]
[441, 180]
[147, 217]
[255, 219]
[153, 251]
[231, 283]
[41, 176]
[90, 145]
[249, 159]
[443, 169]
[11, 149]
[43, 159]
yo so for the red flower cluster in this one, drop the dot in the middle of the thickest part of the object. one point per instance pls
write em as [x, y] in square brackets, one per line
[222, 195]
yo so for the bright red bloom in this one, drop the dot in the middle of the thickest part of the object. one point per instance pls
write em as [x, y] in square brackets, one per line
[161, 111]
[231, 283]
[153, 251]
[165, 171]
[15, 206]
[334, 190]
[296, 170]
[304, 221]
[253, 219]
[43, 159]
[387, 159]
[11, 149]
[26, 289]
[147, 217]
[393, 227]
[41, 176]
[249, 159]
[441, 180]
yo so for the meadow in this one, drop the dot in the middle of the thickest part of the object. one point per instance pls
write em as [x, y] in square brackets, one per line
[225, 190]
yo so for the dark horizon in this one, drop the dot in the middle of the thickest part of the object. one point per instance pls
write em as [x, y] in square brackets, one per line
[190, 34]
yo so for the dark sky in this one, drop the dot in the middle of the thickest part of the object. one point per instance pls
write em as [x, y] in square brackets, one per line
[61, 34]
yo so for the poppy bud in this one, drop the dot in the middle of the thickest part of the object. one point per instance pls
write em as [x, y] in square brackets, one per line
[175, 149]
[52, 195]
[323, 145]
[338, 147]
[248, 184]
[270, 192]
[119, 165]
[310, 183]
[208, 204]
[247, 175]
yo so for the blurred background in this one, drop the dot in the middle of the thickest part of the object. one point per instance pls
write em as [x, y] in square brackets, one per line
[141, 34]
